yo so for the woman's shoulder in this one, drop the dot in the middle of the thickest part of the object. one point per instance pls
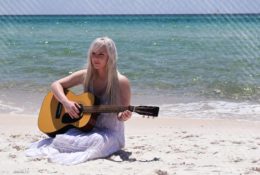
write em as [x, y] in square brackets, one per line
[81, 72]
[123, 80]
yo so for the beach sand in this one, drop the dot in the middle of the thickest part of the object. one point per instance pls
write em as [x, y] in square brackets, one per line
[153, 146]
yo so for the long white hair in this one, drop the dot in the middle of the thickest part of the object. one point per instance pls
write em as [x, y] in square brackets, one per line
[112, 89]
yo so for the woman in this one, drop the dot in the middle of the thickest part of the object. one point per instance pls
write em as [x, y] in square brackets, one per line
[103, 80]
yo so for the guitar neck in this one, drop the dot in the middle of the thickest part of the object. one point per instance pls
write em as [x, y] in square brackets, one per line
[106, 109]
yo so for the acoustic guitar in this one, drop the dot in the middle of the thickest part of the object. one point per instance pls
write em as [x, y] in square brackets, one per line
[54, 120]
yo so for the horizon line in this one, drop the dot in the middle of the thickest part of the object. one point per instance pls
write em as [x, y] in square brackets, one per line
[156, 14]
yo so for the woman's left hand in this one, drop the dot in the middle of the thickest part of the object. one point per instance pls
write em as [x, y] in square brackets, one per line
[124, 116]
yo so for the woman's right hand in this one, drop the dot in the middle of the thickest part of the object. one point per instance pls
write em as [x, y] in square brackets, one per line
[72, 108]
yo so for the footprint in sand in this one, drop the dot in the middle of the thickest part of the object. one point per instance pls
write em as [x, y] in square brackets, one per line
[237, 142]
[189, 136]
[254, 147]
[177, 150]
[13, 156]
[257, 169]
[46, 171]
[14, 136]
[22, 171]
[216, 152]
[237, 159]
[36, 159]
[161, 172]
[214, 142]
[18, 148]
[138, 147]
[255, 161]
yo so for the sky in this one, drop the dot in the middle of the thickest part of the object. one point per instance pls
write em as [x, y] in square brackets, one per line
[86, 7]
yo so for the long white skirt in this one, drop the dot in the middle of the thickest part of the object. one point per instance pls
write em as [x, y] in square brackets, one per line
[75, 146]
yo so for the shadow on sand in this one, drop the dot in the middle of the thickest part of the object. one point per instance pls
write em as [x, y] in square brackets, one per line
[123, 155]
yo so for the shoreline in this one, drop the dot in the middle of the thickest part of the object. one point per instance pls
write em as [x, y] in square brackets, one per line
[21, 103]
[161, 145]
[137, 15]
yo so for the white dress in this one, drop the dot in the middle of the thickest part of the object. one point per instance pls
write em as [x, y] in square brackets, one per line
[75, 146]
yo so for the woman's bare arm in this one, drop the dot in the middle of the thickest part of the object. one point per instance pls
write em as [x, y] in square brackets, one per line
[125, 97]
[58, 87]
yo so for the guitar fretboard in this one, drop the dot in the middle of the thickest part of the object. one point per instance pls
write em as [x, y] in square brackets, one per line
[106, 109]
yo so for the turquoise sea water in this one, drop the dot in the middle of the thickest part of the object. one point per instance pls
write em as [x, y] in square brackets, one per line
[207, 64]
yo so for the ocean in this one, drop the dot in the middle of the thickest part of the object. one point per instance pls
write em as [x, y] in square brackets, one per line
[195, 66]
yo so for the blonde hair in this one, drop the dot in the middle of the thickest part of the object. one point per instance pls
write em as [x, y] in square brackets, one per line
[112, 89]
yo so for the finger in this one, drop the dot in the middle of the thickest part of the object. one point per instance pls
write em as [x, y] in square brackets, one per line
[129, 113]
[120, 116]
[75, 109]
[78, 106]
[124, 116]
[73, 114]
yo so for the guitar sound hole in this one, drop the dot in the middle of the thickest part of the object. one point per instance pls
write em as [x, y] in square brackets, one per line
[67, 119]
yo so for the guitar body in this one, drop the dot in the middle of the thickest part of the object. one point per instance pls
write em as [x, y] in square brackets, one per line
[53, 119]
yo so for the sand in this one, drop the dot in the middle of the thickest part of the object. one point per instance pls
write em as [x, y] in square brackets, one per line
[153, 146]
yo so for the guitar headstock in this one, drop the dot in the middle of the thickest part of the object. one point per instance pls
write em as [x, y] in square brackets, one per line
[147, 110]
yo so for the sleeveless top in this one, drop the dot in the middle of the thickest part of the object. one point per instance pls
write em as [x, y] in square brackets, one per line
[75, 146]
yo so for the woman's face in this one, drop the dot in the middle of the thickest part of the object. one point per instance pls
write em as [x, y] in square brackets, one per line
[99, 58]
